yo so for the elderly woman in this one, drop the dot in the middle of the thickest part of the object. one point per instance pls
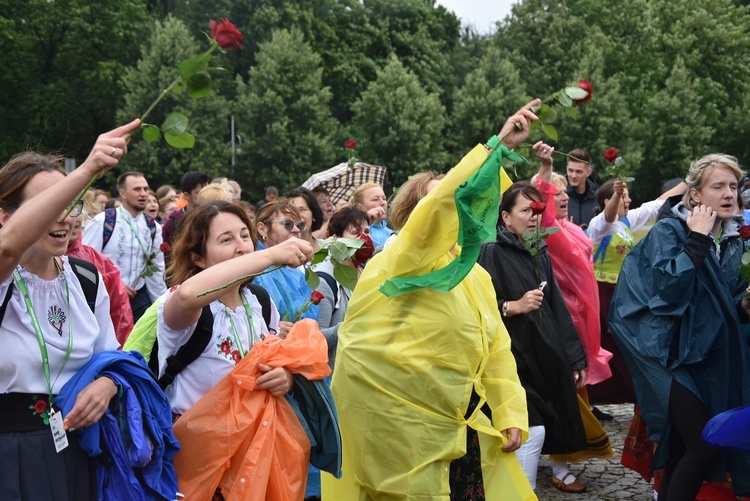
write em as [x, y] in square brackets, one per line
[676, 315]
[417, 369]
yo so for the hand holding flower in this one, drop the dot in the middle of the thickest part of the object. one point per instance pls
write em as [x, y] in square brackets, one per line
[544, 154]
[516, 128]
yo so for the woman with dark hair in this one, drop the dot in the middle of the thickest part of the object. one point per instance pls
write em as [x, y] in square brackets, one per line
[49, 331]
[549, 355]
[309, 211]
[677, 314]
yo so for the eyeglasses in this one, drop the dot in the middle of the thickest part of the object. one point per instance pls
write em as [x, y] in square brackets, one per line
[77, 209]
[289, 224]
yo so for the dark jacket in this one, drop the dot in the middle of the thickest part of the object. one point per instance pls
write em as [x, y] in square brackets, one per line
[674, 315]
[582, 207]
[547, 348]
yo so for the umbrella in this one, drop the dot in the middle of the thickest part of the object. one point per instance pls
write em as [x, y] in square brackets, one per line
[341, 181]
[729, 429]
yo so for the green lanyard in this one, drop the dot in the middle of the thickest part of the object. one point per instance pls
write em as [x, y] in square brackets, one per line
[38, 330]
[143, 248]
[249, 314]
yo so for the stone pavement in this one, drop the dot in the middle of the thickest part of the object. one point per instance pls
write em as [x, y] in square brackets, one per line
[606, 479]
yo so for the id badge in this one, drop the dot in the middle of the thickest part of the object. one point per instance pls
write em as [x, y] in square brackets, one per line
[58, 430]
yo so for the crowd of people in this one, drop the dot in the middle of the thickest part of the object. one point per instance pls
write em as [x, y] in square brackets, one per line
[185, 353]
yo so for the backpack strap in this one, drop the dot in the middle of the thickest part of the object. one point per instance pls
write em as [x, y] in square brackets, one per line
[264, 299]
[332, 283]
[190, 351]
[88, 275]
[151, 226]
[110, 218]
[6, 301]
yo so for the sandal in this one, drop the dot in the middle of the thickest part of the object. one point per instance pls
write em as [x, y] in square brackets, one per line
[574, 487]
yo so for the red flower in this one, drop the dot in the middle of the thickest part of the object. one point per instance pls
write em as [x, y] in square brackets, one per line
[350, 144]
[537, 208]
[236, 356]
[365, 252]
[316, 297]
[165, 247]
[585, 85]
[610, 155]
[745, 232]
[225, 34]
[40, 406]
[225, 347]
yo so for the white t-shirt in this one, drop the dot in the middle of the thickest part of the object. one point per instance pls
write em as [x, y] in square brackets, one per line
[599, 228]
[20, 358]
[220, 356]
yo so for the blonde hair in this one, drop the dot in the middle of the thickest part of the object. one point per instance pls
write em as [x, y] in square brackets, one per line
[555, 178]
[408, 196]
[701, 168]
[358, 197]
[212, 193]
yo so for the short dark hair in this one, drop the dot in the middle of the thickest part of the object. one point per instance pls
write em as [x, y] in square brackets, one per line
[510, 197]
[312, 202]
[348, 216]
[581, 155]
[123, 179]
[190, 180]
[272, 190]
[606, 191]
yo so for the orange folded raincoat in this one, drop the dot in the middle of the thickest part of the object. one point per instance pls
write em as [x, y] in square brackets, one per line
[244, 439]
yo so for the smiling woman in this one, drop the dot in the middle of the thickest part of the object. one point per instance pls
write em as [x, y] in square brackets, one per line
[48, 332]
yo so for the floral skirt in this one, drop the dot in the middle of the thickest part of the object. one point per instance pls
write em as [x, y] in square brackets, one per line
[466, 481]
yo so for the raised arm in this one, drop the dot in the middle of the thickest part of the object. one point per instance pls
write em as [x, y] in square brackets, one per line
[23, 227]
[610, 210]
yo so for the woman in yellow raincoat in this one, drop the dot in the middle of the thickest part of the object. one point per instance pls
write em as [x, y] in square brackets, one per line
[422, 336]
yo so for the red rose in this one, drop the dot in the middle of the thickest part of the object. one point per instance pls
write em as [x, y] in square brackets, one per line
[40, 406]
[236, 356]
[365, 252]
[316, 297]
[585, 85]
[610, 155]
[225, 347]
[225, 34]
[745, 232]
[165, 247]
[537, 208]
[350, 144]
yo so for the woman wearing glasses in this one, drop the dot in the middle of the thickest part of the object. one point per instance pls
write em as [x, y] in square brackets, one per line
[278, 221]
[48, 331]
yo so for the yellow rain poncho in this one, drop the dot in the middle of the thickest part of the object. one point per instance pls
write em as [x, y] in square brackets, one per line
[407, 364]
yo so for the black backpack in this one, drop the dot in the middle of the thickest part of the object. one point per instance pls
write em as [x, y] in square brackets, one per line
[191, 350]
[87, 274]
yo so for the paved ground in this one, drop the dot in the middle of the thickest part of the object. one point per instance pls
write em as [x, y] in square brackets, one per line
[605, 478]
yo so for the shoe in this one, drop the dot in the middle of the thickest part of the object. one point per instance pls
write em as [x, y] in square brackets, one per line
[574, 487]
[601, 416]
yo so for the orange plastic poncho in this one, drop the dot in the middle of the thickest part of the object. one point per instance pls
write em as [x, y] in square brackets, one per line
[244, 439]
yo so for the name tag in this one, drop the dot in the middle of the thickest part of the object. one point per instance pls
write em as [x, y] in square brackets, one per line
[58, 430]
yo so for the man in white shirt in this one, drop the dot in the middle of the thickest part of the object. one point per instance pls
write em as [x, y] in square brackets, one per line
[132, 240]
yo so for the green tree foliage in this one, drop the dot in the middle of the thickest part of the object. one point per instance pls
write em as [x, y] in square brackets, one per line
[399, 124]
[493, 90]
[283, 116]
[169, 44]
[62, 63]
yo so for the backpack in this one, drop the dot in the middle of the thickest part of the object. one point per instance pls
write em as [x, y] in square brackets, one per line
[143, 338]
[87, 274]
[333, 284]
[110, 218]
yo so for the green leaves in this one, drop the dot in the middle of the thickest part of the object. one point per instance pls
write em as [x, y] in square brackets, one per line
[575, 93]
[174, 129]
[312, 278]
[339, 250]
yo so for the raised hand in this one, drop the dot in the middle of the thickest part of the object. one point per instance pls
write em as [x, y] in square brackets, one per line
[701, 219]
[516, 128]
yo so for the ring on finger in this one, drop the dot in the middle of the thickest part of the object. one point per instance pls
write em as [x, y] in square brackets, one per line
[112, 153]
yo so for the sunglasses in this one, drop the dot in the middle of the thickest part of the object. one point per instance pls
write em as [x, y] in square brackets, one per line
[77, 209]
[288, 224]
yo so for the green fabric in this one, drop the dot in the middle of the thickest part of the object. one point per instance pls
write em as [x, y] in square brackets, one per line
[477, 202]
[143, 335]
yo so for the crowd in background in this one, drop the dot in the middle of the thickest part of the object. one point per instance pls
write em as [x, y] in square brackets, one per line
[464, 363]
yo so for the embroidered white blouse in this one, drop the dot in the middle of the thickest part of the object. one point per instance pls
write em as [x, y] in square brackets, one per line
[125, 251]
[20, 358]
[220, 356]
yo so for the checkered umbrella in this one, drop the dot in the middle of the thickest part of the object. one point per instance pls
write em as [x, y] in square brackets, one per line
[341, 181]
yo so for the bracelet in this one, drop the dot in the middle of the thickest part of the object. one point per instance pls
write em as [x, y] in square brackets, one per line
[506, 306]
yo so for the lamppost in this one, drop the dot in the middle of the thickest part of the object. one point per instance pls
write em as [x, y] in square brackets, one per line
[236, 145]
